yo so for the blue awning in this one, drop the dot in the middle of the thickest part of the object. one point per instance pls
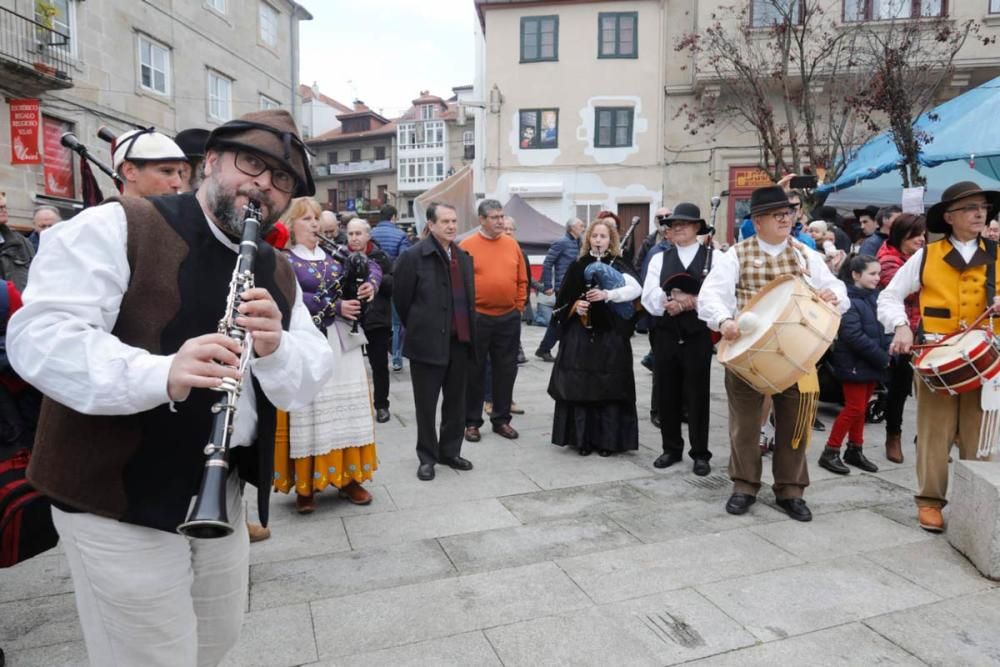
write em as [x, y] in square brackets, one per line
[961, 128]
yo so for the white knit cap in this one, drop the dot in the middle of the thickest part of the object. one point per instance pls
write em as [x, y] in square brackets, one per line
[145, 146]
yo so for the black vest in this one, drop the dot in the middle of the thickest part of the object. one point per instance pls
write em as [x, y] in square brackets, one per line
[144, 468]
[685, 324]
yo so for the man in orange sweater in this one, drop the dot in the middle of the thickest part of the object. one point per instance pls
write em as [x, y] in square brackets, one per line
[501, 290]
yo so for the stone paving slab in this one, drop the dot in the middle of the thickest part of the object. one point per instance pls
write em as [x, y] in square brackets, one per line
[321, 534]
[67, 654]
[279, 637]
[960, 631]
[683, 518]
[521, 545]
[408, 614]
[427, 522]
[470, 649]
[468, 486]
[43, 575]
[26, 624]
[662, 629]
[843, 646]
[348, 573]
[632, 572]
[577, 501]
[328, 505]
[576, 470]
[934, 565]
[852, 491]
[841, 534]
[795, 600]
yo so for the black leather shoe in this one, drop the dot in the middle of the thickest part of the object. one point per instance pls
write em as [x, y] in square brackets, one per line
[382, 415]
[667, 460]
[457, 462]
[701, 467]
[795, 508]
[818, 425]
[604, 453]
[854, 456]
[739, 503]
[545, 356]
[830, 459]
[425, 472]
[583, 451]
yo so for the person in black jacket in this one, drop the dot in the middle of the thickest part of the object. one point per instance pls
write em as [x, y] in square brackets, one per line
[376, 320]
[435, 296]
[860, 358]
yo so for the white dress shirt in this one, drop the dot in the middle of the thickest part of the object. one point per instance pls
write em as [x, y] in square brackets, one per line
[630, 291]
[717, 298]
[891, 311]
[652, 293]
[315, 255]
[60, 341]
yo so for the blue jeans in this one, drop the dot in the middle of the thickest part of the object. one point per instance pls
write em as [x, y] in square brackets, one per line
[398, 333]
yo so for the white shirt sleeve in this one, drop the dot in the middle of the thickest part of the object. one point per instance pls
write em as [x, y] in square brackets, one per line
[717, 298]
[652, 294]
[61, 340]
[821, 278]
[629, 292]
[293, 374]
[891, 311]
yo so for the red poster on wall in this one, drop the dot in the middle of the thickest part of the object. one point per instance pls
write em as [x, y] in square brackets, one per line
[24, 128]
[58, 159]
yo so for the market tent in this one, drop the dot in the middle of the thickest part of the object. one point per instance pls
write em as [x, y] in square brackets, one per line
[887, 189]
[457, 191]
[535, 231]
[963, 128]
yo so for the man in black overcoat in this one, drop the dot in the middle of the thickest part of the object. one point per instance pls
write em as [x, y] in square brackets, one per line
[435, 297]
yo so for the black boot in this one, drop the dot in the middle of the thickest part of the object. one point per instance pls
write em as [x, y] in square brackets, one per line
[857, 458]
[830, 459]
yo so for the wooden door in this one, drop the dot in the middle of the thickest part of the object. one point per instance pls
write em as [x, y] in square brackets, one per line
[625, 214]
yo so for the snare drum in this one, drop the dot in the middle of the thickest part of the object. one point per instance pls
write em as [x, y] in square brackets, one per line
[794, 329]
[961, 362]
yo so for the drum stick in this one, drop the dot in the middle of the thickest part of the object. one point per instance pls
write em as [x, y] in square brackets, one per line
[974, 325]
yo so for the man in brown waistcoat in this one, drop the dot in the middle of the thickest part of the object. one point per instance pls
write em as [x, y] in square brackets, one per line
[119, 331]
[738, 274]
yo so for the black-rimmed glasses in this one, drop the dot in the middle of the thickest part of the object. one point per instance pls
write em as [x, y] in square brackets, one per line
[251, 165]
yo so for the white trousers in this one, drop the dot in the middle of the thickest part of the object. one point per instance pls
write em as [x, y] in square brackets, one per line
[148, 598]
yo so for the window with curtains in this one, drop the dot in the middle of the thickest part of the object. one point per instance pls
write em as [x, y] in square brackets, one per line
[613, 127]
[764, 13]
[539, 38]
[154, 66]
[887, 10]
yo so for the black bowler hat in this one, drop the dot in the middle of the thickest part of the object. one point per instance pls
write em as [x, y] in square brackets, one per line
[685, 212]
[192, 141]
[767, 199]
[935, 216]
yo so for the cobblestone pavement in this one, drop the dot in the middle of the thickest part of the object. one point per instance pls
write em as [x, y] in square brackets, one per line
[541, 557]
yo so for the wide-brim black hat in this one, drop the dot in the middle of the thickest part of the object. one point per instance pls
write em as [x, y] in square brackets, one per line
[870, 210]
[271, 133]
[935, 216]
[192, 141]
[685, 282]
[767, 199]
[686, 212]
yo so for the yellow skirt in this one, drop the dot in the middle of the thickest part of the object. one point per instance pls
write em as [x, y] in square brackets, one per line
[337, 468]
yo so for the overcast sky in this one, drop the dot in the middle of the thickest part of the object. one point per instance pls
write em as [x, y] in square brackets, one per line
[386, 52]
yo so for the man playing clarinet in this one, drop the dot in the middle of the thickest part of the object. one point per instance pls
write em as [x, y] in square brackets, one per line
[739, 274]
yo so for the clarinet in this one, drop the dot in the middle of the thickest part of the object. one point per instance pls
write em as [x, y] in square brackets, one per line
[208, 517]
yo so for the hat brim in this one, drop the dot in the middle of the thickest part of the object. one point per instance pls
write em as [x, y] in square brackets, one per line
[769, 206]
[935, 215]
[682, 281]
[702, 230]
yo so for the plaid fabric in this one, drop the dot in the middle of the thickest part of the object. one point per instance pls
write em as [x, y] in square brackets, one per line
[757, 268]
[460, 324]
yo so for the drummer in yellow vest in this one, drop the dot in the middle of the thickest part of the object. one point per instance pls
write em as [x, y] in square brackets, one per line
[956, 280]
[738, 274]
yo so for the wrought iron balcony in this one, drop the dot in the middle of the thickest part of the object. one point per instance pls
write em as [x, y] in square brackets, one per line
[33, 56]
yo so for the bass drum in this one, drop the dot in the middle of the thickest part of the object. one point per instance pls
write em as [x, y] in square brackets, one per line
[792, 329]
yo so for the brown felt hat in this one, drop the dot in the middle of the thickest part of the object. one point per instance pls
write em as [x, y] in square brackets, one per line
[271, 133]
[935, 216]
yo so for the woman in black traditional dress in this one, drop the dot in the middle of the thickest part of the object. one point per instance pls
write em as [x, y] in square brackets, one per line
[592, 380]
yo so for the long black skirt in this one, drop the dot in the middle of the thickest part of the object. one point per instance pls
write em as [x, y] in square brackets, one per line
[594, 389]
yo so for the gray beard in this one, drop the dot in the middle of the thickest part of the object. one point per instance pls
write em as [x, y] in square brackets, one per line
[222, 204]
